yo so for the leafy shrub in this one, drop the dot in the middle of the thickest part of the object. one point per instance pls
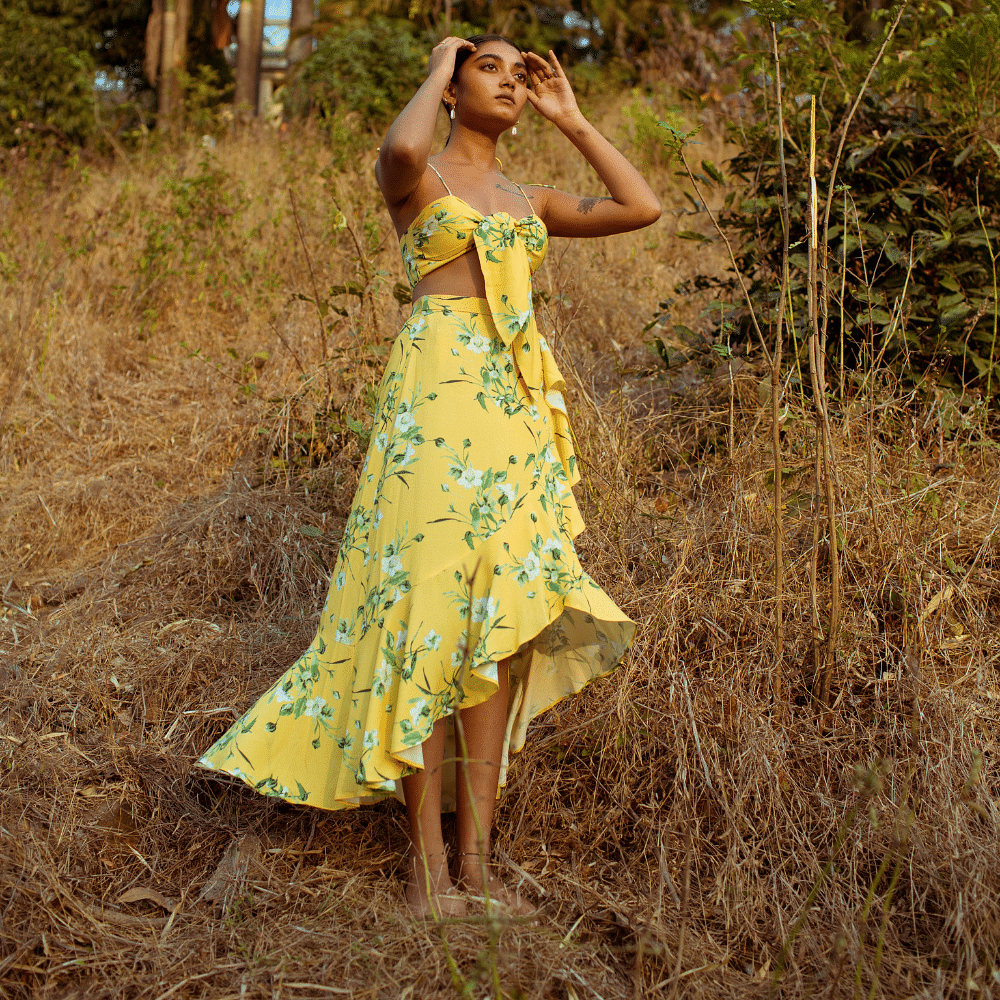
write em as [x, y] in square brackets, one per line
[913, 225]
[370, 69]
[46, 71]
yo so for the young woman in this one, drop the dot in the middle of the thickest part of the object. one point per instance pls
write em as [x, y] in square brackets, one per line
[458, 609]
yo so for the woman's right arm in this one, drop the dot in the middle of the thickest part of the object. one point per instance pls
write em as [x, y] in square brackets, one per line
[402, 159]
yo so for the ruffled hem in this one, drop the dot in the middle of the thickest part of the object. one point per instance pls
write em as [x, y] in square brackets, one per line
[557, 642]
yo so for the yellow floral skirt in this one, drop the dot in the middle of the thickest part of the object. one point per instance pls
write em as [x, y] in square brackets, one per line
[458, 554]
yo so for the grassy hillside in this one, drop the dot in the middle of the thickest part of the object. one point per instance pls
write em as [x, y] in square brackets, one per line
[189, 355]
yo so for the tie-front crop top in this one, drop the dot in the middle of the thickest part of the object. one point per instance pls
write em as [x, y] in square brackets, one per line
[510, 251]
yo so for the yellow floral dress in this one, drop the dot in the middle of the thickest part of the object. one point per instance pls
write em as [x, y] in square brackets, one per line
[458, 551]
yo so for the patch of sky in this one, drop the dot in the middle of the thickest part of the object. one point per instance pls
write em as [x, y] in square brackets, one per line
[108, 83]
[276, 34]
[575, 20]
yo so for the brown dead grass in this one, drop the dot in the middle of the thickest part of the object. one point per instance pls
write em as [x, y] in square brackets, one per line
[167, 523]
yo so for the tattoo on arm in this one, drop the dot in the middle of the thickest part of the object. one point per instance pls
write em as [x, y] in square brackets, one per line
[587, 205]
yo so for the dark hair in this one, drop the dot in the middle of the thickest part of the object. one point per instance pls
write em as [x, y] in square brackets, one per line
[477, 40]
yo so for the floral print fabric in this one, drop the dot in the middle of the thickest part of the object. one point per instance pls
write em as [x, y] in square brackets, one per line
[458, 551]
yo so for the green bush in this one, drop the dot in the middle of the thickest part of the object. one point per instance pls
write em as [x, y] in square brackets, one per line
[914, 236]
[370, 69]
[46, 71]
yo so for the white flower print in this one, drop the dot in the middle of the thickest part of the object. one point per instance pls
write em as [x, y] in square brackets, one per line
[432, 640]
[457, 659]
[381, 440]
[391, 564]
[552, 544]
[341, 580]
[404, 421]
[544, 344]
[470, 479]
[533, 412]
[384, 674]
[313, 707]
[532, 565]
[508, 491]
[401, 638]
[282, 697]
[484, 608]
[343, 633]
[416, 711]
[371, 739]
[479, 344]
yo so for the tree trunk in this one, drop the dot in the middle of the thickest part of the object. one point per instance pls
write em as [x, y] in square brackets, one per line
[167, 60]
[179, 60]
[300, 36]
[250, 36]
[154, 42]
[181, 34]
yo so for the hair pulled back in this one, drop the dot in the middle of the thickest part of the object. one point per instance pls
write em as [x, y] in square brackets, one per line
[463, 54]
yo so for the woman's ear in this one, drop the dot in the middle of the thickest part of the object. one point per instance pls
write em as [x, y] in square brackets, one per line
[449, 96]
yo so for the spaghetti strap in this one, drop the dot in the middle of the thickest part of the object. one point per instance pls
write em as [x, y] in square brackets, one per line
[531, 208]
[441, 179]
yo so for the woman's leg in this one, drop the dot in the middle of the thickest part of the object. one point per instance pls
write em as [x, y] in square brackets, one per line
[483, 727]
[429, 889]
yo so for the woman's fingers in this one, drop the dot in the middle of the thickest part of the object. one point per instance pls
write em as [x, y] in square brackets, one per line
[541, 70]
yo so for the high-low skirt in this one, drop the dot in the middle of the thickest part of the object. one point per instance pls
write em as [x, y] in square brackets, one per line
[457, 554]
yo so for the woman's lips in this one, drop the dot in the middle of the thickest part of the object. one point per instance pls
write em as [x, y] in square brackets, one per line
[507, 98]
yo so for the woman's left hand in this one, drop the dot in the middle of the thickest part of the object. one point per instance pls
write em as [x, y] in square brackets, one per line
[551, 94]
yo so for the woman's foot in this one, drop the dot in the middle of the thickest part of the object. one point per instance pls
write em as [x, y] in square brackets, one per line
[476, 878]
[430, 892]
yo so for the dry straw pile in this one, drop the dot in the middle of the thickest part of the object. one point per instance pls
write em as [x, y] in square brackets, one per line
[181, 429]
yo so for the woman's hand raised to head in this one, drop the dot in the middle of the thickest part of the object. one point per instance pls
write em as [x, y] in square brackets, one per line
[632, 203]
[551, 95]
[443, 54]
[403, 156]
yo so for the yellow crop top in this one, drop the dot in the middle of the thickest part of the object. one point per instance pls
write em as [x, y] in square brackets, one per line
[510, 251]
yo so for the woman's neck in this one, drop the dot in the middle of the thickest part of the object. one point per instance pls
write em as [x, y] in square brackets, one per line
[473, 148]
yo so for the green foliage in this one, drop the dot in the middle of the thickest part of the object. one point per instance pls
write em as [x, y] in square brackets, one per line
[914, 220]
[200, 246]
[46, 71]
[371, 69]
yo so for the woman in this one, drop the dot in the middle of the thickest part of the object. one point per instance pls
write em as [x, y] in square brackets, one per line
[458, 609]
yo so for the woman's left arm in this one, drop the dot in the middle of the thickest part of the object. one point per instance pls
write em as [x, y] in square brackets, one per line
[632, 203]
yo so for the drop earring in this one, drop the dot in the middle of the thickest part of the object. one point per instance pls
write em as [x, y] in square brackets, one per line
[451, 112]
[513, 131]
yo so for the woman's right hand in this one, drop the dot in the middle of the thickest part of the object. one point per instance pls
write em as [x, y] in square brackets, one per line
[402, 158]
[443, 54]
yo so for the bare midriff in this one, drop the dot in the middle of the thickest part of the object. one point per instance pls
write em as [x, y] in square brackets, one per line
[462, 276]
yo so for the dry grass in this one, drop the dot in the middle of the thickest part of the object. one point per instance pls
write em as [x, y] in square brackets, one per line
[166, 525]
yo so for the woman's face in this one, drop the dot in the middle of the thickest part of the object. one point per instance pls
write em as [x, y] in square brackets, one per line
[492, 86]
